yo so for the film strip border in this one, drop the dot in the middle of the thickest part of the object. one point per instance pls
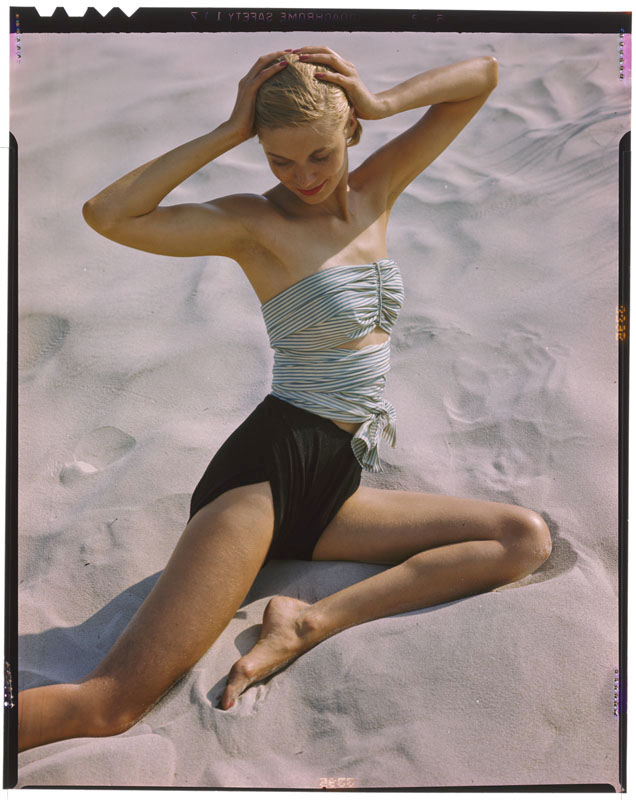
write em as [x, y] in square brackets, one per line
[16, 42]
[624, 55]
[27, 19]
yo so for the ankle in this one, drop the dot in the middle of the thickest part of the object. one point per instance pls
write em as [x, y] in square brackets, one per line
[47, 714]
[310, 626]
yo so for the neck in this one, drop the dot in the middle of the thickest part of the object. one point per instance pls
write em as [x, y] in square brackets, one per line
[337, 204]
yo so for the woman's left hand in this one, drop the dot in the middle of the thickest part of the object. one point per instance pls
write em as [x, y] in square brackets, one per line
[366, 104]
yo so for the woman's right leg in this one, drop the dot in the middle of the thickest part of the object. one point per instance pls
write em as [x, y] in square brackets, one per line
[205, 581]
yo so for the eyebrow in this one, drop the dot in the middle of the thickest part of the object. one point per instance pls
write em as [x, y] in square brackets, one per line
[319, 150]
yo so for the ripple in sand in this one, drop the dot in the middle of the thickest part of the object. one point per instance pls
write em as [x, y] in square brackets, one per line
[40, 336]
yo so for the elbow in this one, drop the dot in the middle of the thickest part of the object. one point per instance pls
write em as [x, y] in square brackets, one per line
[92, 216]
[88, 212]
[492, 70]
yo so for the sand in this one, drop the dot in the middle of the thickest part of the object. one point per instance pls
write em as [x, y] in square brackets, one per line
[504, 378]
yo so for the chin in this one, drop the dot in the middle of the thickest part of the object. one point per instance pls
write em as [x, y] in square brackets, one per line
[312, 199]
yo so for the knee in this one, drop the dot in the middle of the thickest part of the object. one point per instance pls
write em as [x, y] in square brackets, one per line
[526, 537]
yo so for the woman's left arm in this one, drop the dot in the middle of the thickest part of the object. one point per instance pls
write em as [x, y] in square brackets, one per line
[455, 93]
[451, 84]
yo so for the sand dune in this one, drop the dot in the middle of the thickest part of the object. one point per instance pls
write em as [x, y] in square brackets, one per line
[503, 376]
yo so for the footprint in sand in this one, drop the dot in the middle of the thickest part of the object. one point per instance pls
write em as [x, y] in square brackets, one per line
[520, 373]
[40, 336]
[506, 408]
[96, 451]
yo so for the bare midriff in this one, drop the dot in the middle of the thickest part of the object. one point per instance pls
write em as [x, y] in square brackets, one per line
[377, 336]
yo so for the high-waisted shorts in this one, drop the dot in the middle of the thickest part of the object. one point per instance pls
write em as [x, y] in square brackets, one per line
[308, 461]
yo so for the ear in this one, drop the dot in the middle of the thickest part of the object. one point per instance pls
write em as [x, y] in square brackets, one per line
[351, 124]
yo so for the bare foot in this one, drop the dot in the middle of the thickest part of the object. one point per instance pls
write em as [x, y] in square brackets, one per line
[285, 635]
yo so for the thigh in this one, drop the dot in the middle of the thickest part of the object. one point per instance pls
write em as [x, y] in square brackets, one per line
[204, 583]
[387, 526]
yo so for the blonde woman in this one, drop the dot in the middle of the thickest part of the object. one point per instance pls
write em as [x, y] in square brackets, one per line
[286, 484]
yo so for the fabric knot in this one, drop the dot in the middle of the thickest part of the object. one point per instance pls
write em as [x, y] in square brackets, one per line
[366, 440]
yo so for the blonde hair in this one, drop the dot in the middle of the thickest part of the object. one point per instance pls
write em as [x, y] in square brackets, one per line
[294, 96]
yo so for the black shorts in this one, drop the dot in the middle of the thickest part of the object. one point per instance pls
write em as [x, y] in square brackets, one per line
[308, 461]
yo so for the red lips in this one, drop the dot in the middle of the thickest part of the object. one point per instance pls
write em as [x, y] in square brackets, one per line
[312, 191]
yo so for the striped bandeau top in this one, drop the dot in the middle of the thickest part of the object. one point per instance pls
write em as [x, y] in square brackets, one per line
[307, 323]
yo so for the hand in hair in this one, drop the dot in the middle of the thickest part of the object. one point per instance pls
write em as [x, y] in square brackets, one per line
[241, 119]
[344, 74]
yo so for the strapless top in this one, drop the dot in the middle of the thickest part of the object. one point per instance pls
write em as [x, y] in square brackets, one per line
[308, 321]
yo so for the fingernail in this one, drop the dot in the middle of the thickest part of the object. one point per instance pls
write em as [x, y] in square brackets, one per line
[288, 51]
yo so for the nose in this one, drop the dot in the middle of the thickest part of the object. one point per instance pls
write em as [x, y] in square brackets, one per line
[305, 179]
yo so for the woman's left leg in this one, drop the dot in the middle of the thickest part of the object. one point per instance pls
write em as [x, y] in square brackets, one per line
[444, 547]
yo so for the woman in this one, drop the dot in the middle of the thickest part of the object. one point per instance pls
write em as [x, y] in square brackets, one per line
[286, 483]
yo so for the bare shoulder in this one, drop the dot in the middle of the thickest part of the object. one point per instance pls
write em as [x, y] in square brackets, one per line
[257, 219]
[242, 203]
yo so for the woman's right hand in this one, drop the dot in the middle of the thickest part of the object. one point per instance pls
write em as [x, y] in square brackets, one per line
[241, 120]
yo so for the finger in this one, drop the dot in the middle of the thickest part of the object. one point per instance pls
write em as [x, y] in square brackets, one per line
[282, 63]
[258, 65]
[334, 77]
[327, 58]
[268, 72]
[271, 56]
[255, 81]
[334, 61]
[316, 48]
[324, 54]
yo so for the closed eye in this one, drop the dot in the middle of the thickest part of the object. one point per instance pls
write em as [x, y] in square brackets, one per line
[313, 158]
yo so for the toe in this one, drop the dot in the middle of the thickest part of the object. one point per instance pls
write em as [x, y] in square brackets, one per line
[238, 680]
[229, 697]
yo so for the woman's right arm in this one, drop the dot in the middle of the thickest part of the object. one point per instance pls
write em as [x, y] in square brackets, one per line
[128, 211]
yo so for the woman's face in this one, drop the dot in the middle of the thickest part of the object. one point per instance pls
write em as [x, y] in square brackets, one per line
[309, 160]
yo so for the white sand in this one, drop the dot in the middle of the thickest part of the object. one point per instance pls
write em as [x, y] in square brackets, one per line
[504, 379]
